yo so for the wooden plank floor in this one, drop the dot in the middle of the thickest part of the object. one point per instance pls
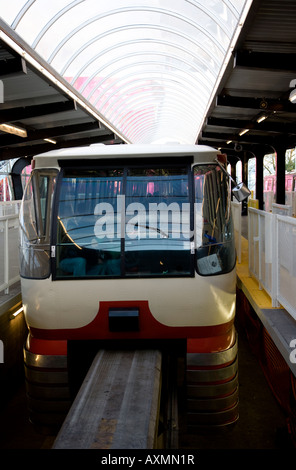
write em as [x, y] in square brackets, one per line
[117, 404]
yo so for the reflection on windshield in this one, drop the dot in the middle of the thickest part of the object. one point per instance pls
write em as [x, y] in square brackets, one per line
[214, 240]
[139, 222]
[132, 222]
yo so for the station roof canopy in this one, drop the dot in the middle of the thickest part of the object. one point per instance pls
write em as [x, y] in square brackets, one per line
[148, 67]
[251, 107]
[84, 71]
[33, 102]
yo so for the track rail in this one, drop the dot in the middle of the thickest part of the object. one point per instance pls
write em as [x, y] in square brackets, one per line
[118, 404]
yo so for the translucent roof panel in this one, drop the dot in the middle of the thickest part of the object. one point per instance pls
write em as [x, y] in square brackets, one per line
[148, 66]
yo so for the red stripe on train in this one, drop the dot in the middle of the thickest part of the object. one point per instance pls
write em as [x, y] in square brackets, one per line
[202, 338]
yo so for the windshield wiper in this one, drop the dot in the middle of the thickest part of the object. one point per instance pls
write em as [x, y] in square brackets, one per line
[165, 235]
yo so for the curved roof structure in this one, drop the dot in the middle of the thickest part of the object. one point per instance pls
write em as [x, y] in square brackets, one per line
[150, 68]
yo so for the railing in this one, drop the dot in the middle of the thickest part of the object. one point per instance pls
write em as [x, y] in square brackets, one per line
[272, 256]
[285, 279]
[9, 241]
[261, 249]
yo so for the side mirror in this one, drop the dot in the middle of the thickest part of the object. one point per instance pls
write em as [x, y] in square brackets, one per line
[240, 190]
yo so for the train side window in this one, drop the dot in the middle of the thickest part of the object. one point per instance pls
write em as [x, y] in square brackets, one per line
[35, 222]
[40, 185]
[214, 236]
[28, 221]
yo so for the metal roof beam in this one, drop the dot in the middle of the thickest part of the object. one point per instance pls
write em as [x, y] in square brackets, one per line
[261, 104]
[227, 148]
[266, 126]
[16, 114]
[31, 150]
[265, 60]
[249, 138]
[12, 67]
[52, 132]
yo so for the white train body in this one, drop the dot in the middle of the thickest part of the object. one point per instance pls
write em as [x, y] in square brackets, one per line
[151, 239]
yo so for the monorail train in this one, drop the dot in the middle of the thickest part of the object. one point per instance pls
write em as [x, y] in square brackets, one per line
[127, 242]
[270, 182]
[270, 191]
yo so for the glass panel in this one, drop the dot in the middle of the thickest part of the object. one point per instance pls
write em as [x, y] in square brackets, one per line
[25, 176]
[214, 239]
[6, 185]
[35, 225]
[157, 238]
[89, 233]
[252, 176]
[143, 213]
[269, 174]
[43, 185]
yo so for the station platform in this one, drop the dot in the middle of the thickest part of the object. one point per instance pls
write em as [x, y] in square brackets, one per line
[269, 332]
[277, 321]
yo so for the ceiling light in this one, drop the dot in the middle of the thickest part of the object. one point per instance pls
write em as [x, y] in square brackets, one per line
[228, 142]
[15, 314]
[262, 118]
[244, 131]
[292, 96]
[13, 130]
[51, 141]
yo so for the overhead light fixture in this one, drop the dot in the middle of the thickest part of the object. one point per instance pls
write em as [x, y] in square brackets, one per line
[51, 141]
[292, 96]
[228, 142]
[261, 118]
[13, 130]
[244, 131]
[15, 314]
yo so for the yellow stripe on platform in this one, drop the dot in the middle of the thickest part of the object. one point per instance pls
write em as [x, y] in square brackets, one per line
[248, 284]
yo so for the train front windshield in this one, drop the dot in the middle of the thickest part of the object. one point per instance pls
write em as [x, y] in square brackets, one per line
[123, 222]
[130, 222]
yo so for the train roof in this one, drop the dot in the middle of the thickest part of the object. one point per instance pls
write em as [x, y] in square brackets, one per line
[200, 153]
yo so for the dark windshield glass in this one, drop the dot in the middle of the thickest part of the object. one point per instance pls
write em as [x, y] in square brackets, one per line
[88, 243]
[157, 236]
[124, 222]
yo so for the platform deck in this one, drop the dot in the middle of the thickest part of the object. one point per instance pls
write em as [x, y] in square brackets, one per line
[280, 325]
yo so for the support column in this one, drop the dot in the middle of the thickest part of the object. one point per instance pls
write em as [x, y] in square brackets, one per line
[244, 160]
[259, 179]
[280, 172]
